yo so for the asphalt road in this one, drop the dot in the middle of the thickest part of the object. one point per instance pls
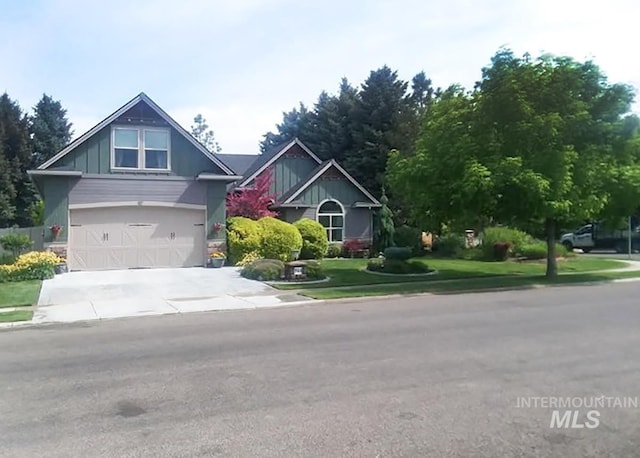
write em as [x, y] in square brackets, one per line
[424, 376]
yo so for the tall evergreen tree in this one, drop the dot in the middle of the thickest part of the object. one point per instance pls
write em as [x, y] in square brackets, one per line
[17, 159]
[295, 123]
[50, 129]
[377, 127]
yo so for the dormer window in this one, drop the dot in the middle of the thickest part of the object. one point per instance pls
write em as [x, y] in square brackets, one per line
[138, 148]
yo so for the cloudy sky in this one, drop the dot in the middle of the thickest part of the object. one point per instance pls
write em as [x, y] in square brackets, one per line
[241, 63]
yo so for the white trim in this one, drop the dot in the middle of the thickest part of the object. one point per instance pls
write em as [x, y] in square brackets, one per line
[141, 149]
[331, 228]
[276, 156]
[217, 177]
[70, 173]
[332, 162]
[137, 203]
[126, 107]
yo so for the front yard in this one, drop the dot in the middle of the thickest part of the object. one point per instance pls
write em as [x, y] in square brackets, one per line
[348, 278]
[17, 299]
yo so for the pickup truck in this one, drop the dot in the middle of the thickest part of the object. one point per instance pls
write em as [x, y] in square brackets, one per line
[594, 236]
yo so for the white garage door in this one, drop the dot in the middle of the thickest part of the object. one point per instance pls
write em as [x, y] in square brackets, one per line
[130, 237]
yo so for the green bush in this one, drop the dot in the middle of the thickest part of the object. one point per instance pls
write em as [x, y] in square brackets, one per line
[314, 238]
[333, 250]
[396, 266]
[410, 237]
[538, 250]
[263, 270]
[397, 253]
[15, 243]
[514, 237]
[243, 237]
[450, 245]
[314, 270]
[278, 238]
[7, 258]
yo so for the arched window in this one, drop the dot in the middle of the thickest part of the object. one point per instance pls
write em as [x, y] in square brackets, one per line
[331, 216]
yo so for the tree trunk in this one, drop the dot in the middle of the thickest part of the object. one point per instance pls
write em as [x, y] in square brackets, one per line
[552, 264]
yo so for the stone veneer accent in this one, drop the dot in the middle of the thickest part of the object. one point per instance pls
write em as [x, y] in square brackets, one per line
[58, 248]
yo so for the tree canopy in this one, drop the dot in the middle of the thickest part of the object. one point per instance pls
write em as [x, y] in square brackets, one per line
[539, 142]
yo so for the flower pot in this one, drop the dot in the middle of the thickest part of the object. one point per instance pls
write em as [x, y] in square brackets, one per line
[216, 263]
[60, 268]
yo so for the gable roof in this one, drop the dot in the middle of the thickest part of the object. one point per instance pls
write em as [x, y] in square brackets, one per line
[267, 158]
[295, 191]
[142, 97]
[240, 163]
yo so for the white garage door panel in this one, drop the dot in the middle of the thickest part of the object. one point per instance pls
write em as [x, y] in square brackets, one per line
[130, 237]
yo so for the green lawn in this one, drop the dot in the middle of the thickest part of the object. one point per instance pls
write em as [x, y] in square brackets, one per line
[19, 294]
[470, 284]
[17, 315]
[348, 272]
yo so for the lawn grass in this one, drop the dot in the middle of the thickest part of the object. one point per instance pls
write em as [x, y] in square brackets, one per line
[470, 284]
[17, 315]
[348, 272]
[19, 294]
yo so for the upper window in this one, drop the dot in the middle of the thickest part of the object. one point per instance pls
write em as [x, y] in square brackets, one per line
[141, 149]
[331, 216]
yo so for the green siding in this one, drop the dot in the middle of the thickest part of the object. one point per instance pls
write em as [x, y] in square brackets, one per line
[56, 206]
[94, 156]
[341, 190]
[216, 207]
[288, 171]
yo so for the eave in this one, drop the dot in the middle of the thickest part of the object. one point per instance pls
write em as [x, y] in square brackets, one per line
[217, 177]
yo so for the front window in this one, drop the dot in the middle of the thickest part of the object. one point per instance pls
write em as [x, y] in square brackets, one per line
[331, 216]
[138, 148]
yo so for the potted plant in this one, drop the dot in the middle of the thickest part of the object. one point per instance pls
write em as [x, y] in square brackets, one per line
[55, 229]
[61, 266]
[216, 259]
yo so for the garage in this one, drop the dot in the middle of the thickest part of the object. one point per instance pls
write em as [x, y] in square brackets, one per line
[136, 237]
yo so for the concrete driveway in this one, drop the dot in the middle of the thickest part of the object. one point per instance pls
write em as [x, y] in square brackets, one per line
[79, 296]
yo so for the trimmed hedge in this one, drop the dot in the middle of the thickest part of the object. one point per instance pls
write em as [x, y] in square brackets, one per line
[397, 266]
[278, 238]
[314, 238]
[398, 253]
[314, 270]
[243, 237]
[264, 270]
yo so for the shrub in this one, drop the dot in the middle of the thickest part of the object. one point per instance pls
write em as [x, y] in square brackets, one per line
[501, 251]
[7, 258]
[538, 250]
[35, 265]
[399, 253]
[396, 266]
[410, 237]
[263, 270]
[375, 264]
[514, 237]
[314, 238]
[278, 238]
[333, 250]
[15, 243]
[314, 270]
[354, 247]
[243, 237]
[248, 258]
[450, 245]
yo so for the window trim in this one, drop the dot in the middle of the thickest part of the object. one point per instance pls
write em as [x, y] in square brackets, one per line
[331, 228]
[141, 149]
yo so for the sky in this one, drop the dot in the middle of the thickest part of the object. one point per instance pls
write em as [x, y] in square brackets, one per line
[242, 63]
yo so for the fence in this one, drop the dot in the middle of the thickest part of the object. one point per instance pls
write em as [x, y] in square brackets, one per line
[35, 233]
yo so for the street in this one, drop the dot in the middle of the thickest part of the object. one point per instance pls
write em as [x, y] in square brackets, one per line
[420, 376]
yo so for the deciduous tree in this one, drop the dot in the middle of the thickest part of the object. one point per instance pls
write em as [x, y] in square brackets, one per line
[255, 200]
